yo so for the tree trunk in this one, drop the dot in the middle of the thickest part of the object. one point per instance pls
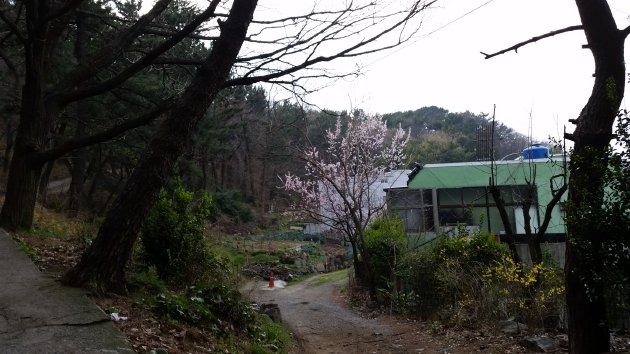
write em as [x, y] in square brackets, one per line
[116, 190]
[107, 257]
[586, 305]
[509, 233]
[8, 143]
[79, 157]
[358, 271]
[204, 172]
[262, 186]
[19, 205]
[215, 175]
[368, 274]
[533, 243]
[44, 178]
[96, 174]
[588, 325]
[247, 172]
[222, 170]
[363, 265]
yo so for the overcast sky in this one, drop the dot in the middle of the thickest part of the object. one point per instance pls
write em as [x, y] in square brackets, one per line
[552, 78]
[549, 80]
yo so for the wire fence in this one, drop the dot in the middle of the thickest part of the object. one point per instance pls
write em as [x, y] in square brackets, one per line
[290, 235]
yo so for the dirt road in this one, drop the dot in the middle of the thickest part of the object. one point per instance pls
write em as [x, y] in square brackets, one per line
[315, 313]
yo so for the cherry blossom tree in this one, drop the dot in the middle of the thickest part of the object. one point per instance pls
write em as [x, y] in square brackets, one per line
[340, 185]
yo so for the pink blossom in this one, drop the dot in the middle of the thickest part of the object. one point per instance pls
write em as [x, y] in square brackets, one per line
[336, 187]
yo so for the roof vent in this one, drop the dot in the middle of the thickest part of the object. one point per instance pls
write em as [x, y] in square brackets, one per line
[417, 166]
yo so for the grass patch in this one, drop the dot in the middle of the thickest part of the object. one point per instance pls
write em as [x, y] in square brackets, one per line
[332, 277]
[299, 278]
[265, 258]
[47, 223]
[271, 337]
[233, 257]
[25, 247]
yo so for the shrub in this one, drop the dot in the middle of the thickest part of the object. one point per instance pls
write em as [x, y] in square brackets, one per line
[478, 249]
[173, 236]
[147, 279]
[386, 242]
[222, 311]
[444, 278]
[532, 294]
[466, 280]
[418, 271]
[217, 308]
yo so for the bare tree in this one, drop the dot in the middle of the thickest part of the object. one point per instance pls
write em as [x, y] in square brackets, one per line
[284, 51]
[527, 197]
[588, 322]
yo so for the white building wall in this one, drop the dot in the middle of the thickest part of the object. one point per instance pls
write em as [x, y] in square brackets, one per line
[391, 179]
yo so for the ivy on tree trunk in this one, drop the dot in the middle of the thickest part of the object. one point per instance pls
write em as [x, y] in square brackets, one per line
[584, 267]
[586, 303]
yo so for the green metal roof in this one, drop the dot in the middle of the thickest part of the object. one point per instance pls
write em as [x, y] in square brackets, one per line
[477, 174]
[509, 173]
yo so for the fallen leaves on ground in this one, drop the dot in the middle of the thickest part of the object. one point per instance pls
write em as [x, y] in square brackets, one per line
[146, 332]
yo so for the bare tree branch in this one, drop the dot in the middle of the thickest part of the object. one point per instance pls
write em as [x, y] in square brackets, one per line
[12, 26]
[625, 32]
[68, 6]
[113, 50]
[555, 200]
[284, 49]
[532, 40]
[106, 135]
[167, 33]
[12, 67]
[142, 63]
[339, 30]
[177, 61]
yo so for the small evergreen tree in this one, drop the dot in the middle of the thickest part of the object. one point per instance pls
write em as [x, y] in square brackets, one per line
[173, 235]
[386, 242]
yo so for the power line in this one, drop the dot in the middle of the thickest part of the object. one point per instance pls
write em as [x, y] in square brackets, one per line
[619, 10]
[453, 21]
[430, 33]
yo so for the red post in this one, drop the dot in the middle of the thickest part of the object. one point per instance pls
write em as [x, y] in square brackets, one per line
[271, 280]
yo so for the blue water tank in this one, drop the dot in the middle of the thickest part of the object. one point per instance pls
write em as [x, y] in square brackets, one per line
[536, 151]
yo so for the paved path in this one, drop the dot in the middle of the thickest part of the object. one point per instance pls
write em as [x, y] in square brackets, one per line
[58, 186]
[39, 315]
